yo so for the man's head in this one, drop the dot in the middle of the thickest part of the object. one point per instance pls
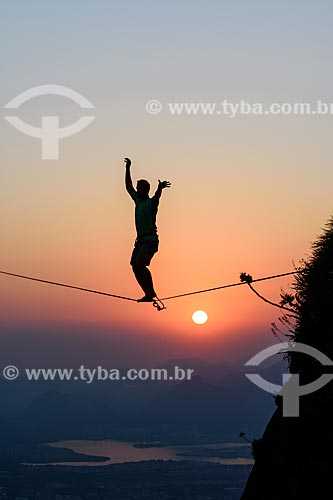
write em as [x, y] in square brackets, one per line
[142, 188]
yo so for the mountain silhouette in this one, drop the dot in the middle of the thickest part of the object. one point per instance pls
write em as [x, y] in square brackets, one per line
[198, 404]
[69, 416]
[293, 459]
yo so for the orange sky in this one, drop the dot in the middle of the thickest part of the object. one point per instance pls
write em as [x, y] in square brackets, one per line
[248, 194]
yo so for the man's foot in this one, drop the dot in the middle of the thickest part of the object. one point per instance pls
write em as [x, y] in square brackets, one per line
[146, 298]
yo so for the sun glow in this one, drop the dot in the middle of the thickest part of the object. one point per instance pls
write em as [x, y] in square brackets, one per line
[199, 317]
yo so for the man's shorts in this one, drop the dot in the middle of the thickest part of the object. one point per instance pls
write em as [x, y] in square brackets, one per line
[143, 252]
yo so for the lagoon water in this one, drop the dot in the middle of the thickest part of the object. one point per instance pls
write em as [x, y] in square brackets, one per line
[122, 451]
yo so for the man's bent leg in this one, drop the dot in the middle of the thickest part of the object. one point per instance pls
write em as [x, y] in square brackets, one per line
[145, 280]
[141, 258]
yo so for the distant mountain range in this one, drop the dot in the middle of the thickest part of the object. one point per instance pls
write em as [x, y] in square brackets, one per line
[232, 405]
[218, 398]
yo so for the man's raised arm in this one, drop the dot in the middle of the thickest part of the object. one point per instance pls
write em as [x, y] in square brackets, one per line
[161, 185]
[128, 179]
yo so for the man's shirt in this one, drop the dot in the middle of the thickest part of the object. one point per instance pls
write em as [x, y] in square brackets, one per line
[145, 216]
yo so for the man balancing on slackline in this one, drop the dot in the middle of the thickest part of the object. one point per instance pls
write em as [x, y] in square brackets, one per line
[146, 243]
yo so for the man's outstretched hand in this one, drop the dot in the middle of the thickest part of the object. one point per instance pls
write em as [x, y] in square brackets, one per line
[163, 184]
[128, 162]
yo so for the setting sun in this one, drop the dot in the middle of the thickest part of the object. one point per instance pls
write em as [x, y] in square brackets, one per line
[199, 317]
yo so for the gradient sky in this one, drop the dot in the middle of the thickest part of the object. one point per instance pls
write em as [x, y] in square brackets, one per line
[248, 194]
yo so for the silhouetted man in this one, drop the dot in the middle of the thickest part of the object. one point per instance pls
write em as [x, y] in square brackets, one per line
[146, 243]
